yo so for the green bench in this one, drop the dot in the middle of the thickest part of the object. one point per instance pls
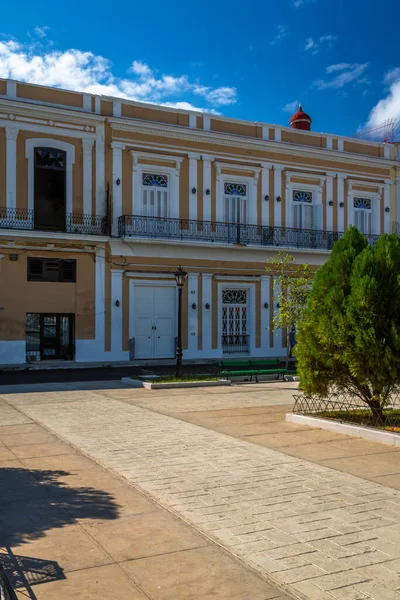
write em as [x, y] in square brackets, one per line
[250, 367]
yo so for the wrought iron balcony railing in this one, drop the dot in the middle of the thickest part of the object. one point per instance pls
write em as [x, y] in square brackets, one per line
[25, 220]
[235, 343]
[227, 233]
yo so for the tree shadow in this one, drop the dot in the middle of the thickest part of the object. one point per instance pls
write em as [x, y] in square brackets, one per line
[34, 502]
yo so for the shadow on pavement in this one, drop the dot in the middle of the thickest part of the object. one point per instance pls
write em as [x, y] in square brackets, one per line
[33, 503]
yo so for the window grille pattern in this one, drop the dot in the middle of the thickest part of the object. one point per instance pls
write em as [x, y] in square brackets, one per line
[302, 196]
[235, 189]
[362, 203]
[234, 296]
[155, 180]
[49, 158]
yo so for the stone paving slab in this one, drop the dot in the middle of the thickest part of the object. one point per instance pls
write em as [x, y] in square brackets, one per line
[85, 534]
[320, 532]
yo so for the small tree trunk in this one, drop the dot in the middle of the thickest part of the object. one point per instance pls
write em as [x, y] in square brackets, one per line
[377, 411]
[288, 348]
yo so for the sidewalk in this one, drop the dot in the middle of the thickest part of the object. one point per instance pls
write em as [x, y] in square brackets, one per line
[70, 529]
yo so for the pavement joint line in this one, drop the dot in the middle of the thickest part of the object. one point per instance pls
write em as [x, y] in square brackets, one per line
[364, 490]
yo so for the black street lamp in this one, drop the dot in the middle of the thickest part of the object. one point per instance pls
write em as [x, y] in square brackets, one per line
[180, 277]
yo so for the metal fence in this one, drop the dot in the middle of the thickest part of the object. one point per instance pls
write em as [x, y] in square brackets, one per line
[235, 344]
[24, 219]
[6, 591]
[349, 408]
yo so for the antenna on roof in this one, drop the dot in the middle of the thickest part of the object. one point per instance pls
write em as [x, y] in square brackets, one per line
[388, 132]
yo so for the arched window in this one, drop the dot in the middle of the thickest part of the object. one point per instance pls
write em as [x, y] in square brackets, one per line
[50, 188]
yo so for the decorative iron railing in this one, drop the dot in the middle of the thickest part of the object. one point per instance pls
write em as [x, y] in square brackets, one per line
[24, 219]
[226, 233]
[348, 408]
[235, 343]
[6, 591]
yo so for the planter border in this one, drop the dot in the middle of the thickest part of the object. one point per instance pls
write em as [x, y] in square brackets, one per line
[137, 383]
[376, 435]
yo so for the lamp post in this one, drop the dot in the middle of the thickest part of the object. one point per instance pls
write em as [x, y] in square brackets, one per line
[180, 277]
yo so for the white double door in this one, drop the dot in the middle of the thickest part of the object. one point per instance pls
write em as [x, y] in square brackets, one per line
[154, 318]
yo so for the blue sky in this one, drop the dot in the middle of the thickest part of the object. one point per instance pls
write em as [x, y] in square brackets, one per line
[249, 60]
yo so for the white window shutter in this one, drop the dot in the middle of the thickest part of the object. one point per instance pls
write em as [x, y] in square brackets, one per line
[317, 217]
[296, 216]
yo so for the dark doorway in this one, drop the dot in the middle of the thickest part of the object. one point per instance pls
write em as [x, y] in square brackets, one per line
[50, 189]
[49, 336]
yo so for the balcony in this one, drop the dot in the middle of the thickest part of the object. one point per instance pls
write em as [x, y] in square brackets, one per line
[227, 233]
[24, 220]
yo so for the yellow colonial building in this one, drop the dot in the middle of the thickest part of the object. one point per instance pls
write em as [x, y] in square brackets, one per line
[102, 198]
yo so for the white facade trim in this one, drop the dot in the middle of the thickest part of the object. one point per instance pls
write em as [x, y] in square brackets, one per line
[193, 158]
[206, 123]
[265, 132]
[150, 275]
[207, 314]
[116, 315]
[87, 102]
[163, 157]
[251, 313]
[207, 160]
[278, 169]
[117, 189]
[11, 88]
[101, 207]
[376, 198]
[148, 283]
[87, 146]
[61, 129]
[193, 316]
[265, 192]
[340, 200]
[386, 204]
[192, 120]
[69, 149]
[265, 313]
[329, 199]
[11, 167]
[251, 183]
[278, 134]
[173, 184]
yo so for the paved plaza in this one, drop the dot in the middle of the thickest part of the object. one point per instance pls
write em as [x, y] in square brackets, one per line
[192, 494]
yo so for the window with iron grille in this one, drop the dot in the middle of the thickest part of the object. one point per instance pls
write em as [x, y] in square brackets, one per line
[48, 269]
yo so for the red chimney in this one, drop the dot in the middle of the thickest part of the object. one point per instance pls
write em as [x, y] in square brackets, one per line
[301, 120]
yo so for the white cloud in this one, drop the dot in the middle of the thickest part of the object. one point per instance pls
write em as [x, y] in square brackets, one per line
[388, 107]
[41, 31]
[348, 73]
[281, 33]
[87, 72]
[298, 3]
[291, 107]
[316, 45]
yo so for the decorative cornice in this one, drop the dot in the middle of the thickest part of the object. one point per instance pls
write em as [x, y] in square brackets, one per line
[117, 146]
[265, 145]
[160, 157]
[12, 133]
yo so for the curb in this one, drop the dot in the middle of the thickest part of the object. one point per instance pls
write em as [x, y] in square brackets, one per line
[136, 383]
[383, 437]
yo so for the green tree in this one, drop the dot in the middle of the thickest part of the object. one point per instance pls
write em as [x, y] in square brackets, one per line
[349, 336]
[292, 284]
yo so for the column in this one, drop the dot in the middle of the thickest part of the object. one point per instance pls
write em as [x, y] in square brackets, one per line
[206, 314]
[116, 186]
[277, 134]
[253, 188]
[193, 315]
[278, 348]
[340, 200]
[11, 167]
[397, 216]
[174, 206]
[350, 208]
[136, 195]
[100, 300]
[265, 192]
[87, 146]
[278, 194]
[101, 207]
[329, 199]
[386, 204]
[193, 158]
[206, 123]
[207, 160]
[265, 312]
[265, 132]
[116, 314]
[219, 191]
